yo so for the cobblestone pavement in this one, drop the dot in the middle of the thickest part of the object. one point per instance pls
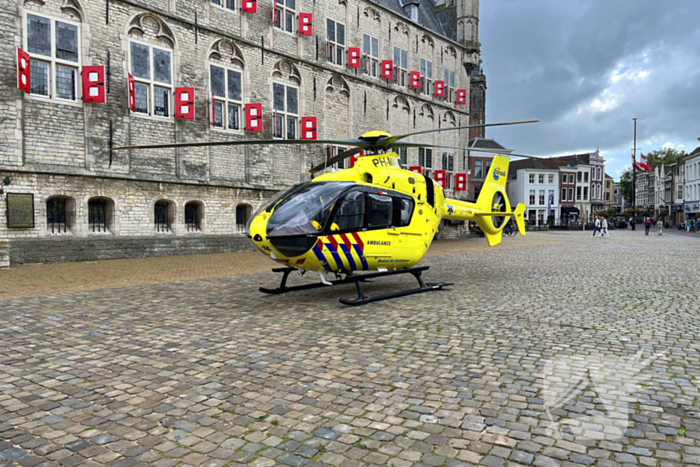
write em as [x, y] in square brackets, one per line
[581, 352]
[48, 279]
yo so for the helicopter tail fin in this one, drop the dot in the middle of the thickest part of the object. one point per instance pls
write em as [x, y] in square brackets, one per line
[493, 199]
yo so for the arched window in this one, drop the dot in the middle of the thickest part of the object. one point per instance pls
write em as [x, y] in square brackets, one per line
[151, 65]
[243, 212]
[164, 215]
[60, 214]
[100, 215]
[53, 44]
[194, 213]
[226, 84]
[285, 100]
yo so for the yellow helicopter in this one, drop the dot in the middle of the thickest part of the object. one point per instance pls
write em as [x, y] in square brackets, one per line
[375, 216]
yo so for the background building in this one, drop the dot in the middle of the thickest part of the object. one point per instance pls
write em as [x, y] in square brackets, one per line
[691, 197]
[88, 204]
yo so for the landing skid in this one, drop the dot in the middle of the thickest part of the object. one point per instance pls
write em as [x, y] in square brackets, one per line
[358, 279]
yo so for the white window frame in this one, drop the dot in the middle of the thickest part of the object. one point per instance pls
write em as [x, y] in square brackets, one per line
[571, 194]
[151, 83]
[585, 177]
[578, 193]
[585, 193]
[540, 179]
[550, 179]
[401, 78]
[479, 169]
[285, 113]
[533, 198]
[531, 179]
[223, 4]
[283, 19]
[52, 61]
[427, 77]
[449, 85]
[336, 50]
[542, 199]
[563, 194]
[226, 101]
[370, 62]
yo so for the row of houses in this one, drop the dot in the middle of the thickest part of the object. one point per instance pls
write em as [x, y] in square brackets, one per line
[672, 188]
[560, 190]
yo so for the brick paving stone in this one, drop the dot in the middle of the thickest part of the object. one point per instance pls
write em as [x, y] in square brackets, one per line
[429, 380]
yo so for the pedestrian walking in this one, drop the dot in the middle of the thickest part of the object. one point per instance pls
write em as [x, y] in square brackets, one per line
[660, 225]
[647, 226]
[631, 223]
[604, 230]
[687, 225]
[596, 228]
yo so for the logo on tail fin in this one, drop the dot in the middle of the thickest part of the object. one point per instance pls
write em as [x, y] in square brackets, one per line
[497, 172]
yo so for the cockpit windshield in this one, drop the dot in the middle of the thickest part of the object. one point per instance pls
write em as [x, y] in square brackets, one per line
[306, 209]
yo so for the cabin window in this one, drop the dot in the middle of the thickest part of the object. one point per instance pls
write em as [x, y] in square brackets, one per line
[380, 211]
[406, 211]
[351, 215]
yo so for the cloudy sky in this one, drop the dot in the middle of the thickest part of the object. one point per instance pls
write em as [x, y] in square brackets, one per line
[585, 68]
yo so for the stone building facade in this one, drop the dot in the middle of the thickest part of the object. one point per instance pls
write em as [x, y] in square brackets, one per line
[55, 147]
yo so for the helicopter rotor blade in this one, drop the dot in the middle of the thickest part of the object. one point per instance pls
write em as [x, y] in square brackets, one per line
[491, 151]
[340, 157]
[387, 140]
[354, 142]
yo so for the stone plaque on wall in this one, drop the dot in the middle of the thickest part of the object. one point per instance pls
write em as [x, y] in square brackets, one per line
[20, 211]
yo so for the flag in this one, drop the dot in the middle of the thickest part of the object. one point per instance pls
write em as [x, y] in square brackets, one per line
[643, 162]
[550, 200]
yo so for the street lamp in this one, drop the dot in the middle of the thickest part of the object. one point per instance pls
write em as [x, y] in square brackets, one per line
[634, 175]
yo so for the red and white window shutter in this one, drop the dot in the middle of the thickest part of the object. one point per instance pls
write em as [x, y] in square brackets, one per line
[94, 84]
[306, 24]
[23, 73]
[440, 177]
[132, 93]
[250, 6]
[439, 89]
[253, 118]
[184, 103]
[461, 97]
[354, 57]
[308, 128]
[416, 169]
[387, 69]
[461, 182]
[415, 80]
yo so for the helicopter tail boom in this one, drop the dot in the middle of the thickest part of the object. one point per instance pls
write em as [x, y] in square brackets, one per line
[492, 210]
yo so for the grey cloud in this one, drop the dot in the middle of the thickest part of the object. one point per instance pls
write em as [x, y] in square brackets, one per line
[548, 59]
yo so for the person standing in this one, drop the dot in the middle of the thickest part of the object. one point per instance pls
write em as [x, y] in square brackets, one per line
[604, 229]
[660, 225]
[597, 226]
[647, 225]
[687, 225]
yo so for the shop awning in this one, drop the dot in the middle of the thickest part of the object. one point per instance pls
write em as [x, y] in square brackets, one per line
[570, 210]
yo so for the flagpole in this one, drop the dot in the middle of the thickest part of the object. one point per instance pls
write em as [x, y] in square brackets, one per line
[634, 175]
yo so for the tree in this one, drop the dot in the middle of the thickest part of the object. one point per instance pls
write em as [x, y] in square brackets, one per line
[626, 185]
[664, 156]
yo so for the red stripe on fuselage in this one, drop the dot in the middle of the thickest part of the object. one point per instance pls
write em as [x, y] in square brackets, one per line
[347, 242]
[359, 241]
[333, 242]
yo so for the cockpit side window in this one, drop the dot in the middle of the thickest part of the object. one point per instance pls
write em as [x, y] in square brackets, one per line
[351, 214]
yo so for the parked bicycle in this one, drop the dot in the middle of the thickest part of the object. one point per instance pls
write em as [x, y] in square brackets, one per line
[510, 230]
